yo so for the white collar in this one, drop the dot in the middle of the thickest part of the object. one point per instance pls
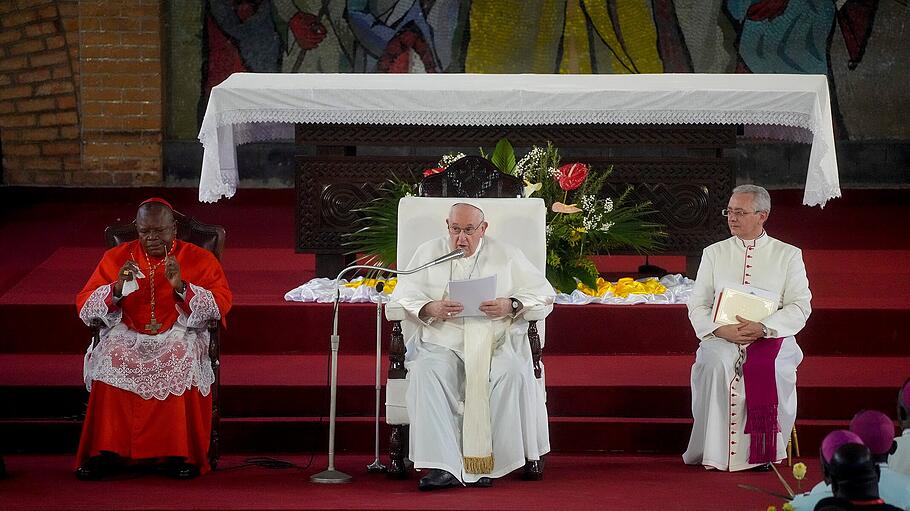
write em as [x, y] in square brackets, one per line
[753, 243]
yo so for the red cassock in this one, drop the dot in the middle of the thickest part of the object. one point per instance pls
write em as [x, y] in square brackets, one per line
[170, 422]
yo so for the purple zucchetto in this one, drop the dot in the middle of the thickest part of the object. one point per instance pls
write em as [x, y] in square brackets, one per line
[875, 429]
[837, 438]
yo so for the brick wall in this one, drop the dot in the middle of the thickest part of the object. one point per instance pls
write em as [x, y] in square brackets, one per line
[81, 92]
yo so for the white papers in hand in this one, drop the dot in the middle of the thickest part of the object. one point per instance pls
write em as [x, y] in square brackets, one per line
[131, 285]
[471, 292]
[748, 302]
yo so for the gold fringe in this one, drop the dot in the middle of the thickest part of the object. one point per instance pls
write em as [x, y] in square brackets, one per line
[474, 465]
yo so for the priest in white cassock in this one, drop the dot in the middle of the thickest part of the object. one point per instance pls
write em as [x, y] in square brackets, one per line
[475, 409]
[744, 376]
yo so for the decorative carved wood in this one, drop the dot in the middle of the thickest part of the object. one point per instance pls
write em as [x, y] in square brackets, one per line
[396, 353]
[536, 350]
[687, 194]
[398, 450]
[580, 135]
[471, 176]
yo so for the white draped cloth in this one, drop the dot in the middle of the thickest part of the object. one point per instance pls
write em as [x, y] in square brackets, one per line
[435, 362]
[718, 436]
[255, 107]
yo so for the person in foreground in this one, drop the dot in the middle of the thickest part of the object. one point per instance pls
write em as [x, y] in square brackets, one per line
[875, 430]
[854, 480]
[744, 376]
[899, 461]
[473, 402]
[150, 375]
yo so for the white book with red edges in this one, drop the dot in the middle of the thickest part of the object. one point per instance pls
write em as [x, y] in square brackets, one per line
[748, 302]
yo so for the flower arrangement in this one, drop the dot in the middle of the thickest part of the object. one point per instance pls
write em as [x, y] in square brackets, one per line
[580, 222]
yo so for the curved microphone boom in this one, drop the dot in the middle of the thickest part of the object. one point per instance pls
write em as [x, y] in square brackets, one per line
[330, 475]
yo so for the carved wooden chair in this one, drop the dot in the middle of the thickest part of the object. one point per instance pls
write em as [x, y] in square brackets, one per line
[474, 180]
[211, 238]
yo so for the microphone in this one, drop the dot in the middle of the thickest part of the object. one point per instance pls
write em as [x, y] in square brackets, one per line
[455, 254]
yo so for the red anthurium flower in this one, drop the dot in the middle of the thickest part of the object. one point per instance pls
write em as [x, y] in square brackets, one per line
[307, 30]
[430, 172]
[571, 175]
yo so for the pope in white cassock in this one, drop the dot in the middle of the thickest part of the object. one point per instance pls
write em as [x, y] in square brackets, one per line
[473, 402]
[744, 376]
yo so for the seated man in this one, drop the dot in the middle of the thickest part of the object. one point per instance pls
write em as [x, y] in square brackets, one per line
[472, 400]
[744, 376]
[899, 461]
[822, 490]
[149, 377]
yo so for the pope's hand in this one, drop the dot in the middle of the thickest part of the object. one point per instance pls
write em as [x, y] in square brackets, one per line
[441, 309]
[497, 308]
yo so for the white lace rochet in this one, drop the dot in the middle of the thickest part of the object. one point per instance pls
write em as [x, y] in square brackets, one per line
[153, 366]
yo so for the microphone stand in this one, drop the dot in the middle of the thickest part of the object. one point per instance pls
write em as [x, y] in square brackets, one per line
[330, 475]
[377, 466]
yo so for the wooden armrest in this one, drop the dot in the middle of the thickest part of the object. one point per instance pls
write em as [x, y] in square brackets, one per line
[535, 314]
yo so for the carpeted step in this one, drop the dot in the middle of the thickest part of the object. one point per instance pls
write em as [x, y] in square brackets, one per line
[571, 330]
[356, 434]
[584, 386]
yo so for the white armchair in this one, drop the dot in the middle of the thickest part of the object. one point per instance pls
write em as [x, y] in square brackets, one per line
[519, 222]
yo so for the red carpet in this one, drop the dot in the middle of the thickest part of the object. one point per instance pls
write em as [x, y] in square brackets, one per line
[618, 482]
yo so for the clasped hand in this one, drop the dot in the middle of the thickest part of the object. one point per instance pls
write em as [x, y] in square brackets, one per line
[743, 332]
[447, 309]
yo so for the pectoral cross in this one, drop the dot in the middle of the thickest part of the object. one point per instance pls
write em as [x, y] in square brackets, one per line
[153, 326]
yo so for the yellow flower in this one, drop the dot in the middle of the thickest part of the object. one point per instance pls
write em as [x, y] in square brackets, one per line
[387, 289]
[787, 506]
[772, 508]
[799, 471]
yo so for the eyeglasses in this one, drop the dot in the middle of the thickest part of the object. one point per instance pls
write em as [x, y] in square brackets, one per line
[738, 213]
[469, 230]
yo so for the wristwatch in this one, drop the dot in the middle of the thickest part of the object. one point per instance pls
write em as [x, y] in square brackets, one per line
[764, 330]
[516, 306]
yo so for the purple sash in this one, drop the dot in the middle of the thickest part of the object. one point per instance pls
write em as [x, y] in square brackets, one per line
[759, 378]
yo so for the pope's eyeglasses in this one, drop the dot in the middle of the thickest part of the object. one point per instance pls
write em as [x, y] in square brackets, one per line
[469, 230]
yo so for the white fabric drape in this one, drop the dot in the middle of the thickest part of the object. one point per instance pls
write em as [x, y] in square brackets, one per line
[250, 107]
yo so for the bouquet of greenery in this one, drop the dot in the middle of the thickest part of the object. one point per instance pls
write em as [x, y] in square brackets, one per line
[580, 223]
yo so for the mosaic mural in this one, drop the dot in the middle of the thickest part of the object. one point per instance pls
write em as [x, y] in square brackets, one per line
[859, 44]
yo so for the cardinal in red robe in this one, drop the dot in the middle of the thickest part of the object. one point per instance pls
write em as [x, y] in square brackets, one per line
[150, 376]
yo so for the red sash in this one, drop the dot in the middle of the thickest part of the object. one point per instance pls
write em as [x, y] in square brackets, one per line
[759, 378]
